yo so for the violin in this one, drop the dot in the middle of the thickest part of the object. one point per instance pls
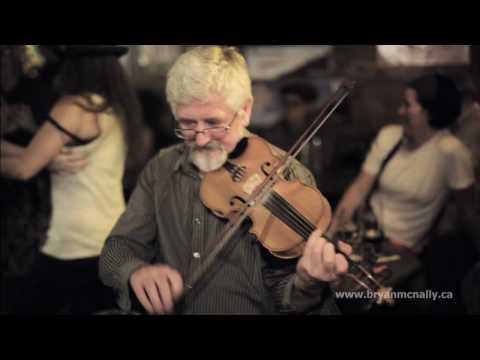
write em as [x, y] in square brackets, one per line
[251, 184]
[285, 218]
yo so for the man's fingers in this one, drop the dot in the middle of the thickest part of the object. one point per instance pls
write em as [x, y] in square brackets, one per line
[156, 287]
[341, 264]
[315, 247]
[176, 283]
[345, 248]
[166, 296]
[154, 297]
[142, 297]
[329, 257]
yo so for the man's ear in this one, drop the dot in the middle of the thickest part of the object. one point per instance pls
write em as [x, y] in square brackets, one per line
[246, 113]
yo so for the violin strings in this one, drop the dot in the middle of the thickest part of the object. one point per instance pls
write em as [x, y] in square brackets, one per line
[290, 216]
[294, 213]
[287, 219]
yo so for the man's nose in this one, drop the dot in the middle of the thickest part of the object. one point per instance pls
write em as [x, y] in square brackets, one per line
[201, 139]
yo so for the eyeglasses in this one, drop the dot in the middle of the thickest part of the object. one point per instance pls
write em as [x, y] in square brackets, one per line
[215, 132]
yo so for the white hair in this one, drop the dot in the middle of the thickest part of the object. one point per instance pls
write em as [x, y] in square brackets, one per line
[207, 71]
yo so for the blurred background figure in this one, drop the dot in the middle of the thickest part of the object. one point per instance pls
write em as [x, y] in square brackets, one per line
[411, 172]
[469, 132]
[96, 113]
[156, 133]
[27, 96]
[299, 100]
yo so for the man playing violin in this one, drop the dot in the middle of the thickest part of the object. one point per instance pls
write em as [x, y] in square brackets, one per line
[162, 237]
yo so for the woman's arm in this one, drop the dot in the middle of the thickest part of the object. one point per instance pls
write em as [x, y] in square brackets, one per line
[47, 143]
[9, 149]
[351, 200]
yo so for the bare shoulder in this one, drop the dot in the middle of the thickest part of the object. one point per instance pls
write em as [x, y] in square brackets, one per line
[72, 113]
[73, 103]
[72, 106]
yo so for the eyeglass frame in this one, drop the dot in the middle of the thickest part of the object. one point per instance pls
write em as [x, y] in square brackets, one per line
[178, 130]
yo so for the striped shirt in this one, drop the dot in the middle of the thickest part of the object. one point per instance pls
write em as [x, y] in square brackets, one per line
[166, 223]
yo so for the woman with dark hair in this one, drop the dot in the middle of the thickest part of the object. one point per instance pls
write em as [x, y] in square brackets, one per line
[87, 70]
[98, 114]
[428, 162]
[412, 168]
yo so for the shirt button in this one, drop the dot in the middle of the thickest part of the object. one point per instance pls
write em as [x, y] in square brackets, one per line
[196, 255]
[197, 221]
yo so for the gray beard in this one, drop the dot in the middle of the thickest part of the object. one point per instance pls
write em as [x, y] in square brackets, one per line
[206, 162]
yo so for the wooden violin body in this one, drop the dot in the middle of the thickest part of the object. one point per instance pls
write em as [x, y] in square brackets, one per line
[283, 220]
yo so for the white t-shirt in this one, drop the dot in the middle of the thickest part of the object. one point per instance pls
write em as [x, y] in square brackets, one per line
[87, 205]
[414, 184]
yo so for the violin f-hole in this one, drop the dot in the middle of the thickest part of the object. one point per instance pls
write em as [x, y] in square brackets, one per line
[266, 168]
[237, 201]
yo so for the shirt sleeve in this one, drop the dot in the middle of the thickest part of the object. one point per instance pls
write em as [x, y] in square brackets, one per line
[132, 240]
[460, 172]
[290, 299]
[380, 148]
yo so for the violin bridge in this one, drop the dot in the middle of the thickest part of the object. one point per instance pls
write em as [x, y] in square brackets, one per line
[252, 183]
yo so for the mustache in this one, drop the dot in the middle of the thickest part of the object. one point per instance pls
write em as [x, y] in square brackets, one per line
[213, 145]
